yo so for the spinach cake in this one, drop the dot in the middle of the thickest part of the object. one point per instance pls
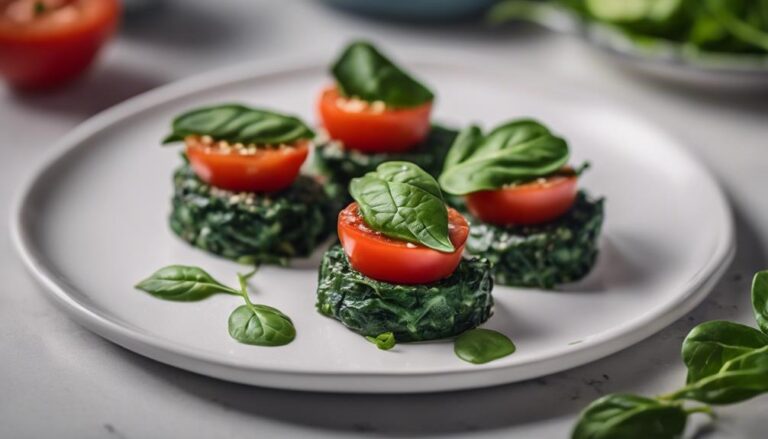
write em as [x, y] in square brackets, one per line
[251, 227]
[542, 255]
[370, 307]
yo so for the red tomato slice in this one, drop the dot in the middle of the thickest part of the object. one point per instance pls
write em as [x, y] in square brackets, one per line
[370, 129]
[262, 170]
[531, 203]
[48, 42]
[398, 262]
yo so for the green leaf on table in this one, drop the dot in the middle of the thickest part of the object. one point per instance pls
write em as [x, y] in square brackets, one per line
[363, 72]
[760, 299]
[182, 283]
[619, 416]
[480, 346]
[261, 325]
[515, 152]
[402, 201]
[711, 344]
[236, 123]
[739, 379]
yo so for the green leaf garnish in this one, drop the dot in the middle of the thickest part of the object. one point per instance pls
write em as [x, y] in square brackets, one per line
[515, 152]
[480, 346]
[183, 283]
[402, 201]
[363, 72]
[236, 123]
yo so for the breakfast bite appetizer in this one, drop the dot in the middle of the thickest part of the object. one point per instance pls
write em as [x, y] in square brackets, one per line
[376, 112]
[528, 216]
[399, 268]
[239, 193]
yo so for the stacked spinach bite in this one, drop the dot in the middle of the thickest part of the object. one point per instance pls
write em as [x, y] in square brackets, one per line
[373, 113]
[399, 268]
[239, 194]
[528, 216]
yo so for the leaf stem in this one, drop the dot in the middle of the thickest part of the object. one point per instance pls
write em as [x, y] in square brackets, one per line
[707, 410]
[243, 280]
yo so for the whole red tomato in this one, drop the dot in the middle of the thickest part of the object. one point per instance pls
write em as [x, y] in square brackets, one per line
[45, 43]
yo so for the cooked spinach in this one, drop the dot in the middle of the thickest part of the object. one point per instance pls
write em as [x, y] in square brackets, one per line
[182, 283]
[402, 201]
[385, 341]
[693, 27]
[340, 165]
[251, 323]
[363, 72]
[515, 152]
[544, 255]
[251, 228]
[727, 363]
[480, 346]
[411, 312]
[239, 124]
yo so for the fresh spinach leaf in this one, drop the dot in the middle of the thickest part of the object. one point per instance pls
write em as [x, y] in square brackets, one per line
[385, 341]
[182, 283]
[363, 72]
[480, 346]
[402, 201]
[239, 124]
[630, 417]
[739, 379]
[261, 325]
[760, 300]
[515, 152]
[711, 344]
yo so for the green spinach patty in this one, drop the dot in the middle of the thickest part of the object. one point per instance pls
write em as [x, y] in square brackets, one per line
[542, 255]
[411, 312]
[251, 228]
[339, 165]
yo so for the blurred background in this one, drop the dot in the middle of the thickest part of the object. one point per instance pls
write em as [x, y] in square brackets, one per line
[699, 69]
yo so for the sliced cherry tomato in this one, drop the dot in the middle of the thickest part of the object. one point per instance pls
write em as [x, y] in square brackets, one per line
[48, 42]
[368, 128]
[262, 170]
[531, 203]
[399, 262]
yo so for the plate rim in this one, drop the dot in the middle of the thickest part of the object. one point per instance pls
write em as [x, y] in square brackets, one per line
[159, 349]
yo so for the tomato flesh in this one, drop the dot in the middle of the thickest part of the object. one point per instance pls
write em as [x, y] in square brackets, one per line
[44, 43]
[531, 203]
[372, 129]
[399, 262]
[263, 170]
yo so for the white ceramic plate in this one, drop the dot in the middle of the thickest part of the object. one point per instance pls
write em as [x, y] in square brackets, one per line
[92, 222]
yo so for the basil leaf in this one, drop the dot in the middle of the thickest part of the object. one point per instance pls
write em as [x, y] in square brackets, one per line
[515, 152]
[480, 346]
[364, 73]
[635, 11]
[630, 417]
[402, 201]
[239, 124]
[711, 344]
[385, 341]
[261, 325]
[741, 378]
[182, 283]
[760, 299]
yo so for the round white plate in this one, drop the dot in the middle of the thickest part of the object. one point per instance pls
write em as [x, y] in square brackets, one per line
[92, 222]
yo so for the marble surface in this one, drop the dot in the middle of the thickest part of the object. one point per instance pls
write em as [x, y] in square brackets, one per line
[57, 378]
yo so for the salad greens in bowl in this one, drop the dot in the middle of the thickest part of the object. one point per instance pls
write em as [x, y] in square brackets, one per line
[718, 42]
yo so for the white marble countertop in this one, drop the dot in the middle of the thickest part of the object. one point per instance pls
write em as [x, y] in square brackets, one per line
[58, 379]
